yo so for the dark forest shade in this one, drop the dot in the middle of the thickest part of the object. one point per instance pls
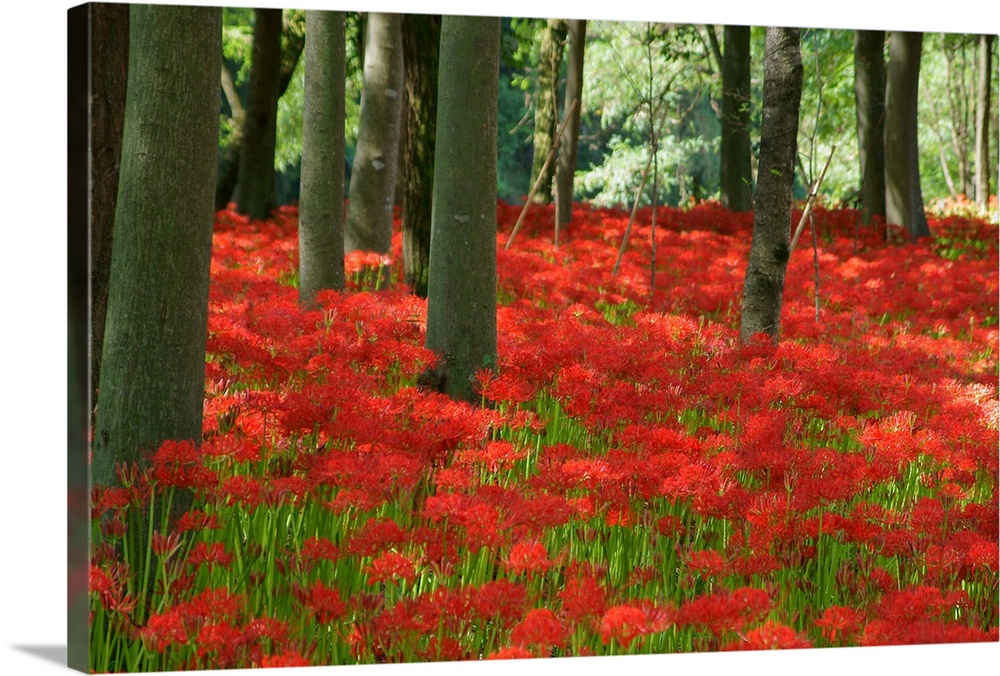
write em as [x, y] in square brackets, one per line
[735, 177]
[421, 46]
[869, 94]
[904, 202]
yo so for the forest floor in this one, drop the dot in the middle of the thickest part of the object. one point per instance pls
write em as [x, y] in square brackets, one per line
[637, 481]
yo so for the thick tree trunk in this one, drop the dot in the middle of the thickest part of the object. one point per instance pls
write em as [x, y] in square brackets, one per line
[153, 371]
[321, 204]
[765, 278]
[462, 288]
[108, 77]
[421, 46]
[255, 193]
[546, 106]
[373, 174]
[570, 141]
[869, 95]
[983, 121]
[904, 202]
[735, 178]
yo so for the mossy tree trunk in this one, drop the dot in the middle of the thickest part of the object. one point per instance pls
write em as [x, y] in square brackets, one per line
[373, 174]
[108, 78]
[546, 106]
[869, 95]
[568, 144]
[255, 192]
[765, 278]
[421, 47]
[904, 201]
[153, 366]
[321, 204]
[982, 179]
[462, 286]
[735, 177]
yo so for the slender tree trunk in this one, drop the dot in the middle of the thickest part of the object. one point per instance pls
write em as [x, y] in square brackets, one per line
[373, 174]
[321, 204]
[546, 106]
[570, 141]
[421, 46]
[869, 95]
[735, 179]
[904, 202]
[292, 44]
[765, 278]
[153, 371]
[983, 121]
[462, 287]
[108, 77]
[255, 192]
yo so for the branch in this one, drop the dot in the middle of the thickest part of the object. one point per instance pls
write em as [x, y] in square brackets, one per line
[809, 202]
[541, 173]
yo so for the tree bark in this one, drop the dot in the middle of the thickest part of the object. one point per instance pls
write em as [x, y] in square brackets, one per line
[869, 95]
[108, 77]
[546, 107]
[255, 192]
[904, 202]
[735, 179]
[462, 286]
[570, 141]
[292, 44]
[373, 174]
[765, 277]
[421, 47]
[321, 204]
[153, 371]
[982, 181]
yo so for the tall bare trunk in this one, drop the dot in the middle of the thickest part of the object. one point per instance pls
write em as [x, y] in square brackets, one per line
[735, 178]
[983, 121]
[546, 106]
[568, 144]
[869, 95]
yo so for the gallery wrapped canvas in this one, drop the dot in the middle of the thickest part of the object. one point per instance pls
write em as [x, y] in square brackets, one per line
[449, 339]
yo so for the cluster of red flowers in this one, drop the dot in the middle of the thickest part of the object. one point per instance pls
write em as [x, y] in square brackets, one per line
[637, 470]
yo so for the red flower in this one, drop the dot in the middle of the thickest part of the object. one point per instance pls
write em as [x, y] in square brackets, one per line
[527, 557]
[838, 620]
[770, 636]
[211, 554]
[541, 628]
[324, 603]
[390, 565]
[623, 624]
[289, 659]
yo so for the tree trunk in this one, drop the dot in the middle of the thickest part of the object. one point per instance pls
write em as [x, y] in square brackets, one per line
[462, 286]
[983, 121]
[869, 96]
[108, 77]
[255, 192]
[570, 141]
[153, 371]
[292, 44]
[735, 179]
[321, 204]
[765, 278]
[546, 108]
[904, 202]
[421, 46]
[373, 174]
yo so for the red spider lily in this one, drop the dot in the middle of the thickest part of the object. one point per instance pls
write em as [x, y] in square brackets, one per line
[623, 624]
[196, 520]
[839, 621]
[213, 554]
[164, 546]
[527, 557]
[511, 653]
[324, 603]
[769, 636]
[390, 565]
[539, 628]
[725, 611]
[287, 659]
[501, 600]
[707, 562]
[583, 598]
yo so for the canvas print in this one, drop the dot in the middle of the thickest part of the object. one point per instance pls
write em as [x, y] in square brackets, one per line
[404, 338]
